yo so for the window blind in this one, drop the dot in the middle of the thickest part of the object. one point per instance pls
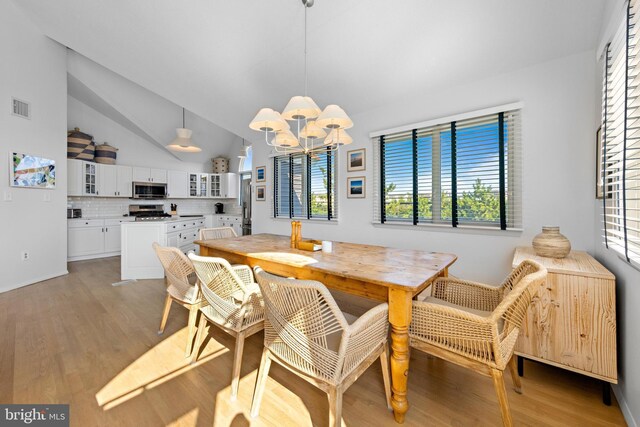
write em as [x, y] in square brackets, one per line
[463, 172]
[304, 186]
[620, 157]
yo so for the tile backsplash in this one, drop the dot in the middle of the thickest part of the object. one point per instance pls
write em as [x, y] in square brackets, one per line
[93, 207]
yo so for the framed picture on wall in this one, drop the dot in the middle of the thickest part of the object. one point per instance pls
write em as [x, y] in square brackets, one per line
[261, 193]
[356, 187]
[27, 171]
[261, 173]
[356, 160]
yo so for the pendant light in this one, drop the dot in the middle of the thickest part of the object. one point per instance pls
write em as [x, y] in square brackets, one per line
[310, 120]
[183, 142]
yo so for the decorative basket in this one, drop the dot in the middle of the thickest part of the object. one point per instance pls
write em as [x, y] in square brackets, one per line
[220, 165]
[106, 154]
[80, 145]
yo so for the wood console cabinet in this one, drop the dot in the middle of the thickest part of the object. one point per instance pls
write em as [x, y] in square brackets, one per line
[571, 323]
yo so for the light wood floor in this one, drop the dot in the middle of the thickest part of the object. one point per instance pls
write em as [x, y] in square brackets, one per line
[78, 340]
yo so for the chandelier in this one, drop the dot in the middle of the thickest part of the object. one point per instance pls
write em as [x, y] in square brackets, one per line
[316, 130]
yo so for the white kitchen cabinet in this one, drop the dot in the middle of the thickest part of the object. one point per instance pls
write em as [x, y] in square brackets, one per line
[124, 181]
[74, 177]
[215, 185]
[85, 240]
[229, 186]
[141, 174]
[177, 184]
[107, 181]
[232, 221]
[93, 238]
[223, 185]
[111, 236]
[89, 179]
[138, 258]
[114, 180]
[199, 185]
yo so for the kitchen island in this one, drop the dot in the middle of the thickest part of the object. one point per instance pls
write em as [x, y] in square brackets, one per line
[138, 260]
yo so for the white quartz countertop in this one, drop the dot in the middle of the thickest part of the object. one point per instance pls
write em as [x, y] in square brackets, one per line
[131, 218]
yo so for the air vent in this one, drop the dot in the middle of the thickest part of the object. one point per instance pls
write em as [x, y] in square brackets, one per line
[21, 108]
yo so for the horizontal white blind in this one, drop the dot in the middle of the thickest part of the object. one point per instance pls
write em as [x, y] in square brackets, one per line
[304, 186]
[620, 178]
[466, 172]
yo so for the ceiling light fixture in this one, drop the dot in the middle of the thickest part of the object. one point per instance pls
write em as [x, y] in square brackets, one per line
[309, 119]
[244, 151]
[183, 141]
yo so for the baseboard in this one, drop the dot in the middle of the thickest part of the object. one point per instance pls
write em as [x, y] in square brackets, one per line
[94, 256]
[626, 412]
[35, 280]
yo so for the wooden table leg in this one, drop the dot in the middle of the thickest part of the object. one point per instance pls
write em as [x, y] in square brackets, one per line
[399, 317]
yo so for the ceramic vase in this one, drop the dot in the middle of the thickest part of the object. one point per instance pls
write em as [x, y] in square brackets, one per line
[551, 244]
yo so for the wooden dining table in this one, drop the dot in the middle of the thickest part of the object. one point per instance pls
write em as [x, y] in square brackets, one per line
[376, 272]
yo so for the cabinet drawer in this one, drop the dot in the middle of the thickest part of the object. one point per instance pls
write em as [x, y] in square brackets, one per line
[83, 223]
[173, 226]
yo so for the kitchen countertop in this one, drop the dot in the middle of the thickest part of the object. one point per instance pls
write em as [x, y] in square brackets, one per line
[131, 218]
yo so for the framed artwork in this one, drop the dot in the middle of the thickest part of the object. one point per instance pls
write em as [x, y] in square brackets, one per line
[32, 171]
[261, 173]
[261, 193]
[599, 162]
[356, 160]
[356, 187]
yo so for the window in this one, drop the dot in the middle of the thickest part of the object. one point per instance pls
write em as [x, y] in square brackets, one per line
[304, 186]
[247, 160]
[461, 172]
[621, 140]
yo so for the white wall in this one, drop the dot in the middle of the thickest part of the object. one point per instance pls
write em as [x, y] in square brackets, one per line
[33, 68]
[146, 114]
[132, 149]
[558, 176]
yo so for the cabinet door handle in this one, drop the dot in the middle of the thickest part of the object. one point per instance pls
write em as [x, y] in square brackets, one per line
[103, 229]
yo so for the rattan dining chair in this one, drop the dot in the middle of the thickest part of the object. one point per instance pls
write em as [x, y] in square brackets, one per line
[182, 287]
[234, 304]
[476, 326]
[217, 233]
[306, 333]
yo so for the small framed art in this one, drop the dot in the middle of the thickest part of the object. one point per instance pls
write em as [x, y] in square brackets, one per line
[261, 173]
[356, 187]
[261, 193]
[356, 160]
[27, 171]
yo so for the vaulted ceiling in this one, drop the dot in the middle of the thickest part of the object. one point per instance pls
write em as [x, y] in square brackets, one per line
[224, 59]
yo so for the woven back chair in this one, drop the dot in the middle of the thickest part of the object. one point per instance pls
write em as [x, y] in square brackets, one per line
[306, 332]
[217, 233]
[476, 325]
[182, 287]
[232, 302]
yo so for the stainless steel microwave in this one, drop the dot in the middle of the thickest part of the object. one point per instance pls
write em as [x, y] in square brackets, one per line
[149, 190]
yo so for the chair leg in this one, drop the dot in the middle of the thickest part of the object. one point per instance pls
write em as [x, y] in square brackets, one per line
[498, 383]
[237, 363]
[261, 381]
[386, 374]
[517, 384]
[335, 407]
[193, 316]
[202, 325]
[165, 314]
